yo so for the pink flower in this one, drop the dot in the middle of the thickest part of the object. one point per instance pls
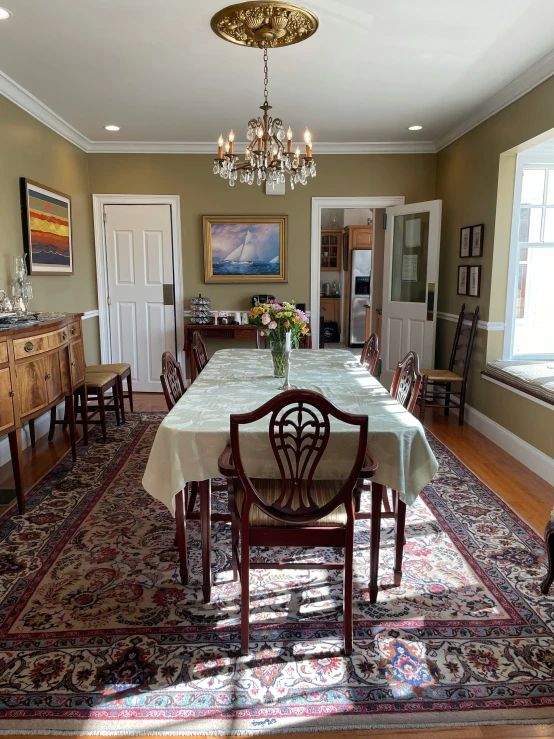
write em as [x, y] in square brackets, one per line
[272, 325]
[266, 319]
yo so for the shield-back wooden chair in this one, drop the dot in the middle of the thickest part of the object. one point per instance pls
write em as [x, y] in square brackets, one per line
[199, 352]
[295, 509]
[370, 354]
[405, 388]
[443, 380]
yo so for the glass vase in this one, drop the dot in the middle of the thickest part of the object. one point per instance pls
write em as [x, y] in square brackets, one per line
[278, 356]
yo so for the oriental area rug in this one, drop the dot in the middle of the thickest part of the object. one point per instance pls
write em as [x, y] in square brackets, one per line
[98, 636]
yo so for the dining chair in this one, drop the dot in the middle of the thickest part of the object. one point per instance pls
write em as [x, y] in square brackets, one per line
[404, 389]
[460, 358]
[295, 509]
[199, 352]
[370, 354]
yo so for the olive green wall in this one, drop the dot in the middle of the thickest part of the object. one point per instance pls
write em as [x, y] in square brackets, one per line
[476, 186]
[30, 149]
[201, 193]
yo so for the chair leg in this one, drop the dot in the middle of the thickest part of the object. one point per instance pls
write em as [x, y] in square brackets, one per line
[423, 398]
[70, 410]
[447, 399]
[84, 412]
[386, 501]
[181, 524]
[245, 592]
[115, 391]
[32, 432]
[399, 540]
[357, 499]
[130, 391]
[121, 398]
[377, 491]
[462, 405]
[234, 530]
[52, 428]
[193, 495]
[16, 451]
[102, 412]
[64, 425]
[347, 586]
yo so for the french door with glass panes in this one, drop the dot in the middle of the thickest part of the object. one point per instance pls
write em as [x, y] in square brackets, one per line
[410, 282]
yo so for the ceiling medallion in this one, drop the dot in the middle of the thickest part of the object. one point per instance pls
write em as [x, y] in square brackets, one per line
[264, 24]
[269, 156]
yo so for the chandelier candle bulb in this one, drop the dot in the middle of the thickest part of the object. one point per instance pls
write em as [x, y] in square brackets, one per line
[231, 141]
[220, 147]
[289, 140]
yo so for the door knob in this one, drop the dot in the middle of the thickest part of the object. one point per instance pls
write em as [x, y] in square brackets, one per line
[12, 394]
[73, 330]
[47, 376]
[29, 346]
[64, 336]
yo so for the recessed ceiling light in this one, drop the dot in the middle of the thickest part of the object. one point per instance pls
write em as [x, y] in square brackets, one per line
[111, 128]
[415, 128]
[4, 14]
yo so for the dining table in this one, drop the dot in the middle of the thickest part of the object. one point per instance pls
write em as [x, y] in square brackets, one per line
[193, 434]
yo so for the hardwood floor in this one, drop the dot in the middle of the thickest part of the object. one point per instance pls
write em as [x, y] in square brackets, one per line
[528, 494]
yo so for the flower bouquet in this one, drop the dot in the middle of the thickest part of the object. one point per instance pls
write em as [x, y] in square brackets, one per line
[276, 320]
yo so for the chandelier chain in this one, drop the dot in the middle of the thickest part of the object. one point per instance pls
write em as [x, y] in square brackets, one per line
[266, 73]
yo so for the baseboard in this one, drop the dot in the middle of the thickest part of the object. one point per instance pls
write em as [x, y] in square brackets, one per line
[42, 426]
[537, 461]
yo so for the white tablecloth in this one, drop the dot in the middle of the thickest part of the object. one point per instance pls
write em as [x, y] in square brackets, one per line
[192, 436]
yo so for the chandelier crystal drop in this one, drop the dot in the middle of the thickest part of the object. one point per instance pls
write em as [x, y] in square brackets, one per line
[269, 156]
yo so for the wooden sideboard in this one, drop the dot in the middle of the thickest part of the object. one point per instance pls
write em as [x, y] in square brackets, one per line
[40, 364]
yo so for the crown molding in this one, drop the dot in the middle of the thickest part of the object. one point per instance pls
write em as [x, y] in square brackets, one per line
[210, 147]
[32, 105]
[517, 88]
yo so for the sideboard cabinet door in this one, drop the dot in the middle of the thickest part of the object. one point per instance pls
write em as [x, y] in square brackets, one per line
[7, 416]
[31, 377]
[54, 385]
[77, 362]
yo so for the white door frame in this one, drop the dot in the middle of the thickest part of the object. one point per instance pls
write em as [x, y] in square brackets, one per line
[98, 203]
[318, 204]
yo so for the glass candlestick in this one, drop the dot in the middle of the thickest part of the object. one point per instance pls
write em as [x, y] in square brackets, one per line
[287, 385]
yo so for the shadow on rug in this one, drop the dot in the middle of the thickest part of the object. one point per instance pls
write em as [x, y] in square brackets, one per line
[99, 636]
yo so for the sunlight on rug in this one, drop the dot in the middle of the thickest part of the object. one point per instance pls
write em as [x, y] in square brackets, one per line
[99, 636]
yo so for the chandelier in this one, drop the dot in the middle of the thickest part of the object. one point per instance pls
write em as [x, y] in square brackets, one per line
[269, 155]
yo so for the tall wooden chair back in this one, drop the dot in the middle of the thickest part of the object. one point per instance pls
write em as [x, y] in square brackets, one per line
[172, 379]
[407, 381]
[370, 354]
[199, 352]
[464, 338]
[299, 431]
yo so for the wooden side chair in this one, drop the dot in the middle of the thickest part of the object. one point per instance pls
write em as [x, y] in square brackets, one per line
[296, 509]
[405, 389]
[370, 354]
[174, 387]
[443, 380]
[123, 372]
[199, 352]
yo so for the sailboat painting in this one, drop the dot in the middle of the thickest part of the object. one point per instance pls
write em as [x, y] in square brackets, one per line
[245, 248]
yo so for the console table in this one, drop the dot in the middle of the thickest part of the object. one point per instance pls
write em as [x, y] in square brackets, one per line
[41, 362]
[229, 332]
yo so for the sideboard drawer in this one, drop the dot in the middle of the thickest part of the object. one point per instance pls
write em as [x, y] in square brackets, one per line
[3, 352]
[38, 344]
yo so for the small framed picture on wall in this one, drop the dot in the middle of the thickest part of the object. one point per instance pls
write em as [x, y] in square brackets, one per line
[462, 280]
[465, 242]
[474, 285]
[477, 240]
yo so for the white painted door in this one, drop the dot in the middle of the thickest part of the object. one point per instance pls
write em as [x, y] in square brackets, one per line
[410, 283]
[139, 260]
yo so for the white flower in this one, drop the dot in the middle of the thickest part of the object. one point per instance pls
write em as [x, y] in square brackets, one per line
[266, 319]
[272, 325]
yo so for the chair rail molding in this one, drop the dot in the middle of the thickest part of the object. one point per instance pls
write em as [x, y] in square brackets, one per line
[98, 203]
[484, 325]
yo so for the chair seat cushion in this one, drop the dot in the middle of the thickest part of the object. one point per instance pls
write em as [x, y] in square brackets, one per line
[435, 375]
[323, 491]
[119, 369]
[98, 379]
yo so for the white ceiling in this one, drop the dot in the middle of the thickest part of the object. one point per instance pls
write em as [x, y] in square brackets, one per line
[155, 68]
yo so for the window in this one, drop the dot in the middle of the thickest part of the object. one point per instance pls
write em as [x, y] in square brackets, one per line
[530, 312]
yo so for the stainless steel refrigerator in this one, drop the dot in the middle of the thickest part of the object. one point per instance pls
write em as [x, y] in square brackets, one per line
[359, 294]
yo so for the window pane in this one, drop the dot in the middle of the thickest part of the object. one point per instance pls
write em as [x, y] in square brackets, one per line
[532, 191]
[523, 254]
[533, 333]
[550, 197]
[530, 223]
[549, 226]
[409, 258]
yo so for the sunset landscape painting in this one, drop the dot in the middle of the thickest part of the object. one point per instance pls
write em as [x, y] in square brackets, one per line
[47, 229]
[245, 249]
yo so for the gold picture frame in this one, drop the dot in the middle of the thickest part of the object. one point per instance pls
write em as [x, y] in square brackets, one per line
[245, 248]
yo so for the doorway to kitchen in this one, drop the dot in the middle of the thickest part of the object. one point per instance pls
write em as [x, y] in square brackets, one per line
[347, 255]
